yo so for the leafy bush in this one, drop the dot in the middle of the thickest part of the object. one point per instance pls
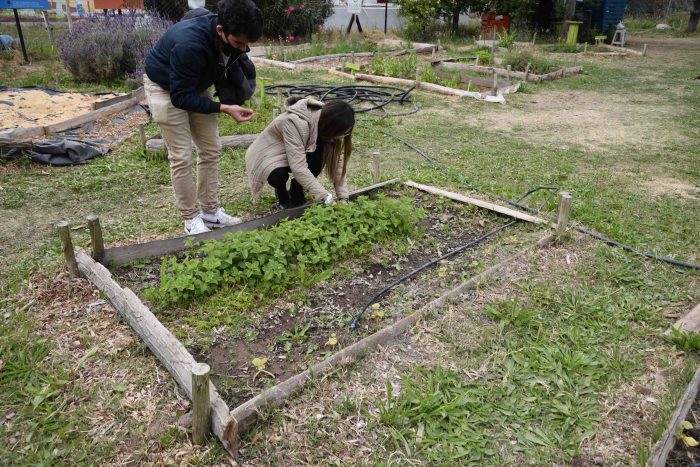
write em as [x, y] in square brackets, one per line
[109, 48]
[419, 15]
[519, 58]
[287, 20]
[274, 257]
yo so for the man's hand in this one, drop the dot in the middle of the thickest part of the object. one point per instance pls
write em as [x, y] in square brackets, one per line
[238, 113]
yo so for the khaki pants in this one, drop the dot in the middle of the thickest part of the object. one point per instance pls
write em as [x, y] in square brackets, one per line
[179, 128]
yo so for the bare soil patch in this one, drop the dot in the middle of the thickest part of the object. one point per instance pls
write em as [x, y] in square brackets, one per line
[20, 108]
[667, 186]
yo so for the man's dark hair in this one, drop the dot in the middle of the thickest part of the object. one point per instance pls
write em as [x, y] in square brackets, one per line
[240, 17]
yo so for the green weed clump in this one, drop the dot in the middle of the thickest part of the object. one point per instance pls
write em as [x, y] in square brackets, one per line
[397, 67]
[270, 259]
[519, 58]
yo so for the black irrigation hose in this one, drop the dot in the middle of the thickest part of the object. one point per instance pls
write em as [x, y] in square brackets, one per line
[597, 236]
[353, 324]
[362, 98]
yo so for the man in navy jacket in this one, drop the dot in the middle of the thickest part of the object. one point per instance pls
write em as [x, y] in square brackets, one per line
[193, 55]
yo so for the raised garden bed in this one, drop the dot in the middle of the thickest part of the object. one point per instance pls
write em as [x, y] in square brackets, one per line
[295, 327]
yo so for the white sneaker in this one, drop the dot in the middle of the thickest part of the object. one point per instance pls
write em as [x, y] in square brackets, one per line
[219, 219]
[195, 226]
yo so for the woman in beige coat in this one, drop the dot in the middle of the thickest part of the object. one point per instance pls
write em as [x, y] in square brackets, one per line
[306, 138]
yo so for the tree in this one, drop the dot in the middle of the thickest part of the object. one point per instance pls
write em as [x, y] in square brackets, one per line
[694, 17]
[451, 9]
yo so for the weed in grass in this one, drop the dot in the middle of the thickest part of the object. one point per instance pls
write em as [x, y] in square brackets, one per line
[684, 340]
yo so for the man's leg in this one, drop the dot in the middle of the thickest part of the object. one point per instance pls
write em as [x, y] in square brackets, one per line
[175, 129]
[205, 133]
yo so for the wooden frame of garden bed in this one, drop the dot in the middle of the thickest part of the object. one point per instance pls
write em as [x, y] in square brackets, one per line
[418, 49]
[21, 137]
[229, 425]
[525, 76]
[435, 88]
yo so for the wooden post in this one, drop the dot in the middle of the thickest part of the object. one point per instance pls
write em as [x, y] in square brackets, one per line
[201, 407]
[564, 210]
[142, 133]
[67, 247]
[376, 166]
[585, 47]
[495, 84]
[477, 60]
[469, 85]
[644, 52]
[279, 98]
[68, 16]
[493, 45]
[527, 70]
[48, 27]
[439, 45]
[508, 72]
[98, 246]
[534, 36]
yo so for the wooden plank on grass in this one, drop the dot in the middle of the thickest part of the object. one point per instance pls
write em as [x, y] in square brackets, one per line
[478, 202]
[128, 253]
[690, 322]
[164, 345]
[668, 439]
[233, 141]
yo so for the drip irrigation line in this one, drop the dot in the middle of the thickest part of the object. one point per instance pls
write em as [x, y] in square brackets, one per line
[353, 324]
[517, 203]
[363, 99]
[612, 242]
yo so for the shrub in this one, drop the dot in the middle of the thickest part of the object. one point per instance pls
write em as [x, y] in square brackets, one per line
[109, 48]
[288, 19]
[398, 67]
[419, 15]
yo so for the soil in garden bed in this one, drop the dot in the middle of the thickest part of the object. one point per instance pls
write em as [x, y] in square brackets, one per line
[307, 324]
[682, 455]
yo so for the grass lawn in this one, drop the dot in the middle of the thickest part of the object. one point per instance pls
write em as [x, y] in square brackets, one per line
[560, 359]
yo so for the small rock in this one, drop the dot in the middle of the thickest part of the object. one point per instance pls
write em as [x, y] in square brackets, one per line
[185, 421]
[662, 26]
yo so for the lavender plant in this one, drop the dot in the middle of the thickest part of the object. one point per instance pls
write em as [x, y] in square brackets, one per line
[102, 48]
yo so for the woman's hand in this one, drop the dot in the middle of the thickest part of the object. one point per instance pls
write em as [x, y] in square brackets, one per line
[330, 199]
[238, 113]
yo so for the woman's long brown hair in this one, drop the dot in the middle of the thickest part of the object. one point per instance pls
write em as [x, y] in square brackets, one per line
[337, 118]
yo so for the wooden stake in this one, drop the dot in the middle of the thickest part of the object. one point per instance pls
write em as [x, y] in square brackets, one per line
[142, 133]
[564, 210]
[477, 60]
[279, 98]
[98, 246]
[48, 27]
[644, 52]
[201, 407]
[376, 166]
[493, 45]
[469, 85]
[534, 36]
[495, 84]
[67, 247]
[439, 45]
[585, 47]
[527, 70]
[508, 75]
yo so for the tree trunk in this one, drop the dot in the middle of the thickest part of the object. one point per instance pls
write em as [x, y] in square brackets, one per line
[455, 20]
[569, 10]
[694, 17]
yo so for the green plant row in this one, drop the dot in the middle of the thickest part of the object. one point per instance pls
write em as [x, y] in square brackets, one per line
[271, 258]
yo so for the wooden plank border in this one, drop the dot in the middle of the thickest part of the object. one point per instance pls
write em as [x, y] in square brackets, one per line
[128, 253]
[668, 439]
[164, 345]
[478, 202]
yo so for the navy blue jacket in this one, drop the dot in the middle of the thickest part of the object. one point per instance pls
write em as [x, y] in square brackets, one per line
[186, 61]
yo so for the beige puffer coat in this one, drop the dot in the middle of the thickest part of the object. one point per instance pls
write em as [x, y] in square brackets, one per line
[284, 143]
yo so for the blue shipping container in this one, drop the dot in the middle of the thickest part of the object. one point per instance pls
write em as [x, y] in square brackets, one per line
[608, 14]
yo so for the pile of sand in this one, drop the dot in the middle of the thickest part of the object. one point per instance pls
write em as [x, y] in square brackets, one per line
[22, 108]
